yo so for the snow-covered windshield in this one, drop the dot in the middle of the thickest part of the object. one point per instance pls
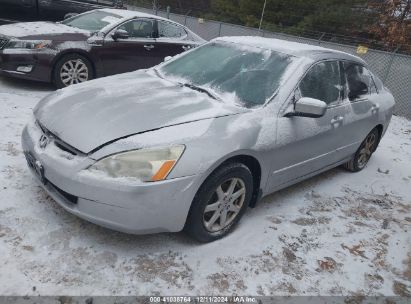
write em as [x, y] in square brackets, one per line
[243, 74]
[93, 21]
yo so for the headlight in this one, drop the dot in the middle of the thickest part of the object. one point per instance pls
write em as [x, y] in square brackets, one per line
[147, 165]
[28, 44]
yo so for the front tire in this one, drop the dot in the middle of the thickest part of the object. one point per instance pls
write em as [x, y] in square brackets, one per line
[72, 69]
[220, 203]
[364, 152]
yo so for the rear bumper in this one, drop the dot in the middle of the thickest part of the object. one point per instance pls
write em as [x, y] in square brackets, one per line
[138, 208]
[40, 63]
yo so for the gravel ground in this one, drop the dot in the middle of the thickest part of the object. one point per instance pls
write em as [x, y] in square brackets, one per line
[336, 234]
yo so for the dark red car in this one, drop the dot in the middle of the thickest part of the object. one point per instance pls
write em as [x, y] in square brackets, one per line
[94, 44]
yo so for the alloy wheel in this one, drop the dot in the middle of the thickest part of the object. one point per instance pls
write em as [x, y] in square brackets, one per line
[366, 150]
[225, 204]
[73, 72]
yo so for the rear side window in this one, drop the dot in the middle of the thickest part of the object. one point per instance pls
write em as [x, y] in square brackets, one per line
[139, 28]
[323, 82]
[357, 77]
[170, 30]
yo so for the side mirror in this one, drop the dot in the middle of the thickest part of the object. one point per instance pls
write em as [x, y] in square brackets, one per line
[309, 107]
[357, 89]
[120, 34]
[168, 58]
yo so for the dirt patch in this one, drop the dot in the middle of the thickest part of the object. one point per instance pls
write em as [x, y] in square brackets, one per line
[223, 282]
[4, 231]
[274, 220]
[289, 255]
[170, 267]
[327, 264]
[10, 148]
[310, 221]
[285, 287]
[355, 250]
[374, 281]
[407, 263]
[401, 289]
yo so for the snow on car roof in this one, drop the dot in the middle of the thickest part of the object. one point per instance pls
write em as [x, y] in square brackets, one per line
[130, 14]
[287, 47]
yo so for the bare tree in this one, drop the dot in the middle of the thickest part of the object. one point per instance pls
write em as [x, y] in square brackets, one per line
[393, 25]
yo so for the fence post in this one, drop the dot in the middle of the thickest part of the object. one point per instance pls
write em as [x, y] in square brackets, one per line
[219, 30]
[185, 16]
[168, 11]
[388, 70]
[321, 37]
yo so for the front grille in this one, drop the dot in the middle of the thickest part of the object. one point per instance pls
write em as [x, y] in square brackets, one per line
[69, 197]
[3, 43]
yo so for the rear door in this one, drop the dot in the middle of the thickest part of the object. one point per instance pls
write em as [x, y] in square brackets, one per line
[362, 114]
[17, 10]
[172, 40]
[138, 51]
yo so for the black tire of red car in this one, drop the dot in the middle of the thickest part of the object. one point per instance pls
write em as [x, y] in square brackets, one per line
[72, 69]
[364, 152]
[196, 224]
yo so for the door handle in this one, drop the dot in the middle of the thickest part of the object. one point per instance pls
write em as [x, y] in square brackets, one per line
[149, 47]
[375, 108]
[337, 120]
[186, 47]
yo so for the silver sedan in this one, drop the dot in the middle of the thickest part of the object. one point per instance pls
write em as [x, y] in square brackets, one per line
[194, 142]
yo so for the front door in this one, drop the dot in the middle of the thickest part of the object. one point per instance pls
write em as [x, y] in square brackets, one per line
[138, 51]
[307, 145]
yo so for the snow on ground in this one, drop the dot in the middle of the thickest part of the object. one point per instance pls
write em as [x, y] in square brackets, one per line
[336, 234]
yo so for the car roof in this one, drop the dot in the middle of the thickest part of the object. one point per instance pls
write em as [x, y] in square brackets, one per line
[292, 48]
[131, 14]
[126, 14]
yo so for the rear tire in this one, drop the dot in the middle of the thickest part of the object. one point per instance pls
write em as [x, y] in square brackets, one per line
[72, 69]
[360, 159]
[220, 203]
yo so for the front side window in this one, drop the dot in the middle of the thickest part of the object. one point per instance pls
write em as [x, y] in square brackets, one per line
[359, 80]
[323, 82]
[170, 30]
[93, 21]
[242, 75]
[139, 28]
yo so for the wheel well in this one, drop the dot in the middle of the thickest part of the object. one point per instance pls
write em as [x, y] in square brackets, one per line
[73, 53]
[255, 168]
[380, 129]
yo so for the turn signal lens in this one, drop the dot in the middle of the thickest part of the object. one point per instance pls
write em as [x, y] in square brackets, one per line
[164, 170]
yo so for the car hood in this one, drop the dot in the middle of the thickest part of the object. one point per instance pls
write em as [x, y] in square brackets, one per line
[90, 115]
[42, 30]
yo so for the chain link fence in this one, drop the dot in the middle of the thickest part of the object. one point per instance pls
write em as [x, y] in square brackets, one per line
[393, 68]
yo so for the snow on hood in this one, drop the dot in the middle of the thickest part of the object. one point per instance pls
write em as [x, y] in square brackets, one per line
[89, 115]
[38, 30]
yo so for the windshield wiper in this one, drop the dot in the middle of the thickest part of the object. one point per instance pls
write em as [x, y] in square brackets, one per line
[158, 73]
[202, 90]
